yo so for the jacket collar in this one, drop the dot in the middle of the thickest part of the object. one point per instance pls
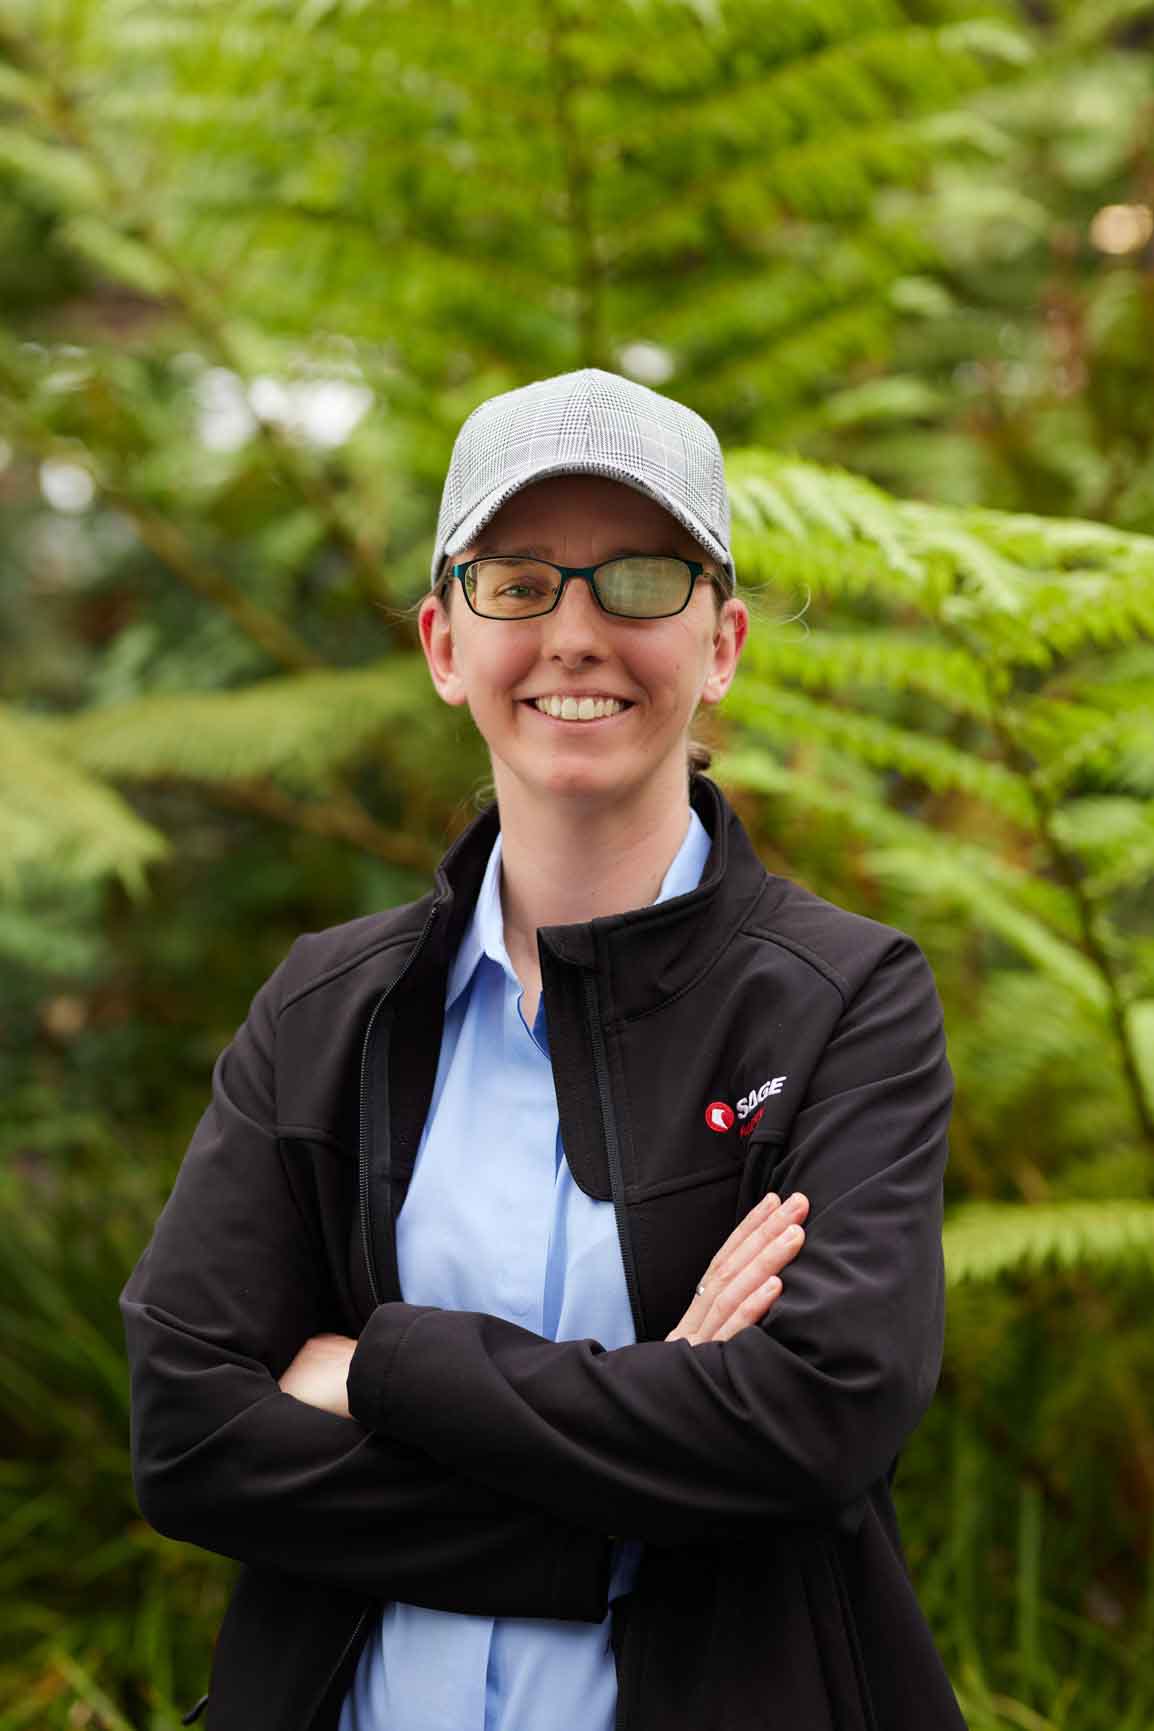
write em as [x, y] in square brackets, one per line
[651, 952]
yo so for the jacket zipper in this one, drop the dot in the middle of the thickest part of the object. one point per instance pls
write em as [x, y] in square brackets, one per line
[613, 1150]
[360, 1623]
[363, 1152]
[624, 1715]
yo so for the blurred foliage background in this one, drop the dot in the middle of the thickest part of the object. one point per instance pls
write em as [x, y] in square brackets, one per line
[257, 261]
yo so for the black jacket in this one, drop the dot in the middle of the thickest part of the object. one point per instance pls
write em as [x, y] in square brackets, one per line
[484, 1467]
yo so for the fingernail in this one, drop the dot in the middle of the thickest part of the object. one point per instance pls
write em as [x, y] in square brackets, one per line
[793, 1234]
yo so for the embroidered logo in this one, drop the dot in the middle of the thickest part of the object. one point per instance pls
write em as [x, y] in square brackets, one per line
[756, 1096]
[719, 1116]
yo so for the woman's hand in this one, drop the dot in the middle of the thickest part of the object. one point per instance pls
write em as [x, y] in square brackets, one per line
[741, 1282]
[318, 1373]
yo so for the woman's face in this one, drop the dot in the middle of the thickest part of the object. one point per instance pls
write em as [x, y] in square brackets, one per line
[660, 668]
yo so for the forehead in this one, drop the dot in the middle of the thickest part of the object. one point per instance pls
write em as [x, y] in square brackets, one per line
[601, 514]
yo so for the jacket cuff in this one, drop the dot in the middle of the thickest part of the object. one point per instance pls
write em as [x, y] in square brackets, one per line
[371, 1364]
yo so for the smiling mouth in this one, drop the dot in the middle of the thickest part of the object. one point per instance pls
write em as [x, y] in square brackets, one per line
[578, 720]
[578, 708]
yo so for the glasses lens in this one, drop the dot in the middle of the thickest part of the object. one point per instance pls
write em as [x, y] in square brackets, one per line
[645, 588]
[512, 588]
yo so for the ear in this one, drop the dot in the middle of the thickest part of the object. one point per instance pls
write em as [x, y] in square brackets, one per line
[728, 642]
[436, 630]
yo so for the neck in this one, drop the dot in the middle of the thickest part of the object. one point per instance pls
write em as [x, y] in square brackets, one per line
[565, 862]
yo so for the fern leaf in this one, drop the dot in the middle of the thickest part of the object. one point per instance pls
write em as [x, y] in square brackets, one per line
[984, 1240]
[785, 715]
[976, 565]
[1114, 836]
[1017, 1037]
[860, 509]
[57, 820]
[890, 661]
[928, 875]
[299, 728]
[866, 816]
[1140, 1024]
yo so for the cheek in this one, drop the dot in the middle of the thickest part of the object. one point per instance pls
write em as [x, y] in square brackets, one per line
[493, 669]
[679, 671]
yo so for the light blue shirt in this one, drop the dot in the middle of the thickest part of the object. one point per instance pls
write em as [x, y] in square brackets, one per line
[494, 1222]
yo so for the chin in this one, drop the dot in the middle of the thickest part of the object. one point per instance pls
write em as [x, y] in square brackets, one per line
[602, 784]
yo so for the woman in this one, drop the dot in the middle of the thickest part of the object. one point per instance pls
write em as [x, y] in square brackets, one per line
[505, 1458]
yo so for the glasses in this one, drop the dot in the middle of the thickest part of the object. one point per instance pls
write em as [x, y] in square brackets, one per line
[638, 586]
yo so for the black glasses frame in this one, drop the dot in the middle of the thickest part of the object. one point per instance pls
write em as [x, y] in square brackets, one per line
[588, 574]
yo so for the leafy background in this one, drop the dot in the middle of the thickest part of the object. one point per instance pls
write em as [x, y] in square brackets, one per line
[257, 261]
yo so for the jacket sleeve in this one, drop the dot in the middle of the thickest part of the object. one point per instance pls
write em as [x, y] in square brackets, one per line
[221, 1300]
[793, 1419]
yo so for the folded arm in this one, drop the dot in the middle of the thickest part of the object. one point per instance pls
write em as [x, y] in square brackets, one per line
[790, 1420]
[214, 1311]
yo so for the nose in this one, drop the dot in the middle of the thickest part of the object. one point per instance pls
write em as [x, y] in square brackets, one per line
[576, 631]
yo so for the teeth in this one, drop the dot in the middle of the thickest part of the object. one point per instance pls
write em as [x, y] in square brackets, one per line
[578, 709]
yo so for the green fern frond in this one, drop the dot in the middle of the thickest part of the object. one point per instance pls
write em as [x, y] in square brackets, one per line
[299, 728]
[785, 716]
[1140, 1025]
[836, 69]
[59, 822]
[61, 175]
[1018, 1036]
[1135, 759]
[1064, 737]
[45, 943]
[816, 564]
[1113, 835]
[1025, 590]
[779, 376]
[932, 876]
[1118, 746]
[868, 818]
[1097, 609]
[898, 397]
[984, 1240]
[839, 661]
[767, 491]
[1059, 544]
[978, 568]
[857, 262]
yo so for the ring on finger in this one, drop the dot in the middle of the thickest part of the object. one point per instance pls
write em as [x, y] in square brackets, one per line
[700, 1289]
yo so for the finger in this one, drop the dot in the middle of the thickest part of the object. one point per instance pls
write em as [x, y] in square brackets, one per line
[761, 1268]
[751, 1309]
[773, 1227]
[763, 1211]
[753, 1247]
[710, 1311]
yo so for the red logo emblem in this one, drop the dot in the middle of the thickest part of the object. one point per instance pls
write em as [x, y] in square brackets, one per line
[719, 1116]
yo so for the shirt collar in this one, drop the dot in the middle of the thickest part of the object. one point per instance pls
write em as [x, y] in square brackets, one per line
[485, 933]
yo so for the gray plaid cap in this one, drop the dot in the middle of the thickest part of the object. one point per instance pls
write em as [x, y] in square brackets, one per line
[585, 423]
